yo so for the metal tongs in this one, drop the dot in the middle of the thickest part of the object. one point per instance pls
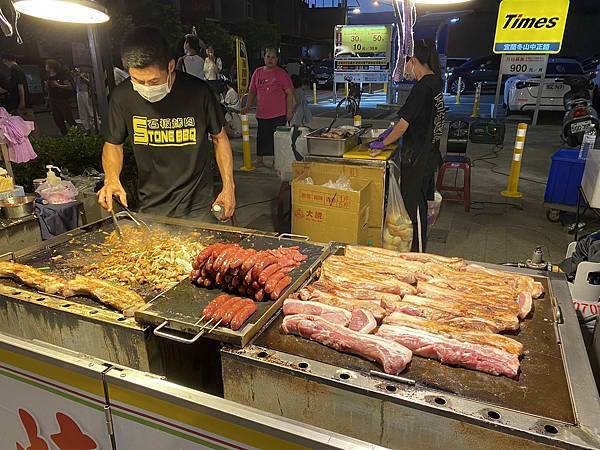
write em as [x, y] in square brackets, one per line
[138, 222]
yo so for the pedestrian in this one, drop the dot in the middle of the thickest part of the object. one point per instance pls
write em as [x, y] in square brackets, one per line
[233, 106]
[191, 62]
[421, 124]
[302, 114]
[84, 100]
[212, 65]
[175, 125]
[272, 88]
[60, 93]
[16, 86]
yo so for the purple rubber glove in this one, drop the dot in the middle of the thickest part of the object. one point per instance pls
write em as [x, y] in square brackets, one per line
[377, 145]
[385, 134]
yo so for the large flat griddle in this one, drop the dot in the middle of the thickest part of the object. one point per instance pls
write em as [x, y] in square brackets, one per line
[179, 309]
[541, 388]
[67, 254]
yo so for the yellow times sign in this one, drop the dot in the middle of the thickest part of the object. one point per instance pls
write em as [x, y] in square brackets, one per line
[363, 39]
[530, 26]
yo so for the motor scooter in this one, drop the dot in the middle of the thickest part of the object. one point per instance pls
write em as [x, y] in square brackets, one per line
[580, 114]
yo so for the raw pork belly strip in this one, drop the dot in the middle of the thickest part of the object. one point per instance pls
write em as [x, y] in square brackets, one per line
[344, 263]
[362, 321]
[360, 279]
[455, 313]
[310, 293]
[331, 314]
[392, 356]
[485, 352]
[118, 297]
[32, 277]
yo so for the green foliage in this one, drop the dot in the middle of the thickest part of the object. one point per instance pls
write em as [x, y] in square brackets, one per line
[74, 152]
[220, 39]
[257, 35]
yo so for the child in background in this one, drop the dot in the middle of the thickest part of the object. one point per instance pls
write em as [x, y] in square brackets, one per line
[302, 114]
[233, 106]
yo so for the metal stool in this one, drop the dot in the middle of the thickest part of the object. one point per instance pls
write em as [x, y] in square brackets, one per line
[460, 193]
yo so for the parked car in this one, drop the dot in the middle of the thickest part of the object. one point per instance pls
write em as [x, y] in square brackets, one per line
[476, 70]
[322, 74]
[520, 93]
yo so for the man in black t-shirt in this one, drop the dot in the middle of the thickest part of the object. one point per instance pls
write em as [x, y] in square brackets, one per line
[169, 117]
[18, 92]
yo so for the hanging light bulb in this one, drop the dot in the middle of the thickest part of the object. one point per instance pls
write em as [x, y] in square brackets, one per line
[72, 11]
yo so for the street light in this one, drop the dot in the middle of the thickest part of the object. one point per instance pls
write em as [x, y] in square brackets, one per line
[72, 11]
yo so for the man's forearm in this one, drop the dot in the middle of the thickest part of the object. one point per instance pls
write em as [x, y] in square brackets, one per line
[224, 157]
[112, 162]
[398, 131]
[250, 99]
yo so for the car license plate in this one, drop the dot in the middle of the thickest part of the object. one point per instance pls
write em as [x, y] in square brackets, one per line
[578, 127]
[322, 81]
[555, 87]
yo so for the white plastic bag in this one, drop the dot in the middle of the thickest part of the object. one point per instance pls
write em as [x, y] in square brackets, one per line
[64, 192]
[398, 228]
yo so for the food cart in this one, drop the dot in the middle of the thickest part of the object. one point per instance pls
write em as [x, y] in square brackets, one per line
[71, 368]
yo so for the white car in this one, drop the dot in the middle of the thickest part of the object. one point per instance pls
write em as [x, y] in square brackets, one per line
[520, 91]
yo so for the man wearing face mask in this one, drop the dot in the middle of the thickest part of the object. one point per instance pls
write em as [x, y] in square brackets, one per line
[421, 124]
[169, 116]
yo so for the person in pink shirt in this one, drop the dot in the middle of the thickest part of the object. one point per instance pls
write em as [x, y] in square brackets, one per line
[273, 90]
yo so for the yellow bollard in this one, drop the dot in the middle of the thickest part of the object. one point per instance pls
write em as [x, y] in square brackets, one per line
[246, 144]
[457, 101]
[347, 90]
[357, 120]
[475, 112]
[314, 93]
[385, 88]
[512, 189]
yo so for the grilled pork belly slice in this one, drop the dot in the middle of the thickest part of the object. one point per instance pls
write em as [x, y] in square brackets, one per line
[32, 277]
[115, 296]
[485, 352]
[392, 356]
[351, 278]
[362, 321]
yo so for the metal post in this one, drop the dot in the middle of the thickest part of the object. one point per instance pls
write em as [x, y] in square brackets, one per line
[99, 71]
[512, 189]
[458, 86]
[538, 101]
[498, 87]
[314, 93]
[475, 112]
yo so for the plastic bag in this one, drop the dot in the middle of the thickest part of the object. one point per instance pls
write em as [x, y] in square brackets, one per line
[64, 192]
[342, 183]
[398, 228]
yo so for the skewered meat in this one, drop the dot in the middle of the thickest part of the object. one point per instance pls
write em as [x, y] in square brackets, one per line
[242, 316]
[391, 355]
[311, 293]
[214, 304]
[455, 313]
[331, 314]
[362, 321]
[486, 352]
[30, 276]
[115, 296]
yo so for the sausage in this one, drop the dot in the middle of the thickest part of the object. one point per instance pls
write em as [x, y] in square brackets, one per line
[203, 272]
[267, 272]
[234, 272]
[281, 285]
[236, 280]
[203, 256]
[207, 282]
[218, 313]
[241, 258]
[250, 292]
[249, 263]
[232, 308]
[262, 264]
[219, 279]
[218, 301]
[232, 255]
[209, 263]
[223, 255]
[242, 315]
[255, 285]
[272, 282]
[260, 295]
[195, 274]
[228, 279]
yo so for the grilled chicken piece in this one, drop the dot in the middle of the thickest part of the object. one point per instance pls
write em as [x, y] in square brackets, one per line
[32, 277]
[115, 296]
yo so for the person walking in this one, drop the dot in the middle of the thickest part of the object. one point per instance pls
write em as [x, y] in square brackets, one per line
[84, 100]
[233, 106]
[421, 124]
[191, 62]
[17, 89]
[60, 92]
[302, 113]
[273, 90]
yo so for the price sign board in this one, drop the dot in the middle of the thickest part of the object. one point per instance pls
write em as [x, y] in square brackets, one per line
[359, 40]
[523, 64]
[532, 26]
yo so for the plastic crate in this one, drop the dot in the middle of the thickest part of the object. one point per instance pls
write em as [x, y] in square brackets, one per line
[564, 178]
